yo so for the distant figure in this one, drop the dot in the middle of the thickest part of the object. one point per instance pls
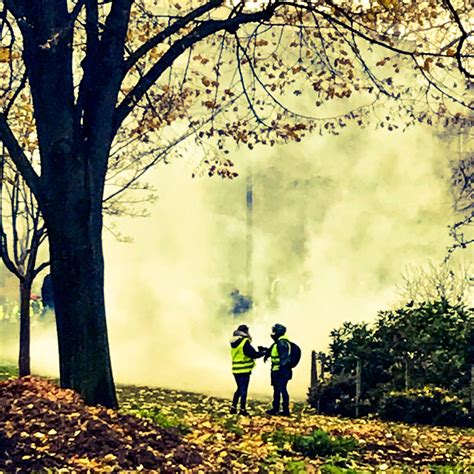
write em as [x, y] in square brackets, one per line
[281, 371]
[47, 294]
[243, 361]
[35, 304]
[240, 303]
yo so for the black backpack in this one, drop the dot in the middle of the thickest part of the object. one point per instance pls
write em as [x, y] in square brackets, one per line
[295, 354]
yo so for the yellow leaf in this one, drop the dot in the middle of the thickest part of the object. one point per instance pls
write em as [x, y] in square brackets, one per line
[5, 54]
[203, 438]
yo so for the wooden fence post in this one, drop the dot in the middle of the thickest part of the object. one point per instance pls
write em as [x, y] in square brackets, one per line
[314, 370]
[322, 360]
[472, 388]
[313, 389]
[407, 373]
[358, 386]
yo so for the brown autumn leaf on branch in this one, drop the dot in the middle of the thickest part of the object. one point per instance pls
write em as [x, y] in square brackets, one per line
[5, 55]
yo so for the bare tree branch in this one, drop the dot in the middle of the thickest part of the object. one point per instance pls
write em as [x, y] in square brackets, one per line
[40, 268]
[19, 158]
[169, 31]
[4, 252]
[77, 9]
[202, 31]
[462, 40]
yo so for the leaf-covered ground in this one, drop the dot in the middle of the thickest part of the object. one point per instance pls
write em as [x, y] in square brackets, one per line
[45, 427]
[196, 433]
[254, 444]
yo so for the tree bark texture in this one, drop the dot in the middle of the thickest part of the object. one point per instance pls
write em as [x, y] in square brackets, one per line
[77, 270]
[24, 365]
[74, 135]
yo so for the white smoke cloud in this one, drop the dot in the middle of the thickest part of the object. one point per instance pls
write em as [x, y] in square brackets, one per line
[336, 220]
[360, 208]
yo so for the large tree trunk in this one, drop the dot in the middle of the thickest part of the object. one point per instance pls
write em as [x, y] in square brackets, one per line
[77, 270]
[75, 127]
[24, 353]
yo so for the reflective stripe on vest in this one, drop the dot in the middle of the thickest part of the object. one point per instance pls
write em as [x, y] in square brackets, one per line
[274, 353]
[241, 363]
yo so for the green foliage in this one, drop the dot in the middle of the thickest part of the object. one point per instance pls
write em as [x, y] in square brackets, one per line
[232, 426]
[330, 468]
[316, 444]
[414, 346]
[154, 414]
[429, 405]
[8, 372]
[278, 437]
[321, 443]
[336, 396]
[435, 337]
[296, 467]
[446, 469]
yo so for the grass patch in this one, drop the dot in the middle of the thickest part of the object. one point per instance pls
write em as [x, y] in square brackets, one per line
[296, 467]
[319, 443]
[331, 468]
[447, 469]
[8, 371]
[155, 415]
[232, 426]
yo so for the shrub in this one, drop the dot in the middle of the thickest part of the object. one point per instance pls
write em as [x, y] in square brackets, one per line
[336, 396]
[430, 405]
[426, 343]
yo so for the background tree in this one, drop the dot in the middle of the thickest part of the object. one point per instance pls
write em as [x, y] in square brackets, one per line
[23, 234]
[463, 192]
[21, 220]
[432, 283]
[143, 66]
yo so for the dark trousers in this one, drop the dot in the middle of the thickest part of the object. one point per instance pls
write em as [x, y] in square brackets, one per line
[280, 391]
[242, 389]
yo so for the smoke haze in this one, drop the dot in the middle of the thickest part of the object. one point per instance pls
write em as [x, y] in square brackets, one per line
[335, 222]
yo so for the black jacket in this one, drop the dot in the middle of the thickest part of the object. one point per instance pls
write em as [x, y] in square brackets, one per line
[249, 350]
[283, 348]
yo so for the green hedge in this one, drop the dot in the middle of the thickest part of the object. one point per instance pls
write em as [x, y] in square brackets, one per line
[430, 405]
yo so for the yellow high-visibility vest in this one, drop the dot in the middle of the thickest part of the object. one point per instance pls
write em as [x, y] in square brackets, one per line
[274, 353]
[241, 363]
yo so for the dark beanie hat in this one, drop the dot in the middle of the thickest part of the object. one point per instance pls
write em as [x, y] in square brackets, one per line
[278, 330]
[243, 328]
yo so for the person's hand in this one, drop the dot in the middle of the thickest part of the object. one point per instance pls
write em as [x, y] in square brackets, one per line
[263, 349]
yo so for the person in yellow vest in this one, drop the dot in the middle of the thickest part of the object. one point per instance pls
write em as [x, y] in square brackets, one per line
[281, 372]
[243, 361]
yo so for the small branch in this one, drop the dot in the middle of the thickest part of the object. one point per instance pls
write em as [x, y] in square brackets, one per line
[199, 33]
[76, 10]
[18, 157]
[4, 254]
[40, 268]
[462, 39]
[169, 31]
